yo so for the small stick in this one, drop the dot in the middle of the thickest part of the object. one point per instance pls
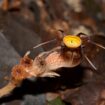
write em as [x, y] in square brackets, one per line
[41, 44]
[97, 44]
[90, 62]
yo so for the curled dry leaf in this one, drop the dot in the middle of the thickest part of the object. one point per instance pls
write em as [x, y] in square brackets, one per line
[44, 65]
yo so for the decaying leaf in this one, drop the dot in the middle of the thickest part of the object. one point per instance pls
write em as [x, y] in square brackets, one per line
[44, 65]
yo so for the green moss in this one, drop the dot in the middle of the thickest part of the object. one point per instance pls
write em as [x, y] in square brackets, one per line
[56, 101]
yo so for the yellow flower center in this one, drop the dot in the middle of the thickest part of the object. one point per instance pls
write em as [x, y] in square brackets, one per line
[72, 41]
